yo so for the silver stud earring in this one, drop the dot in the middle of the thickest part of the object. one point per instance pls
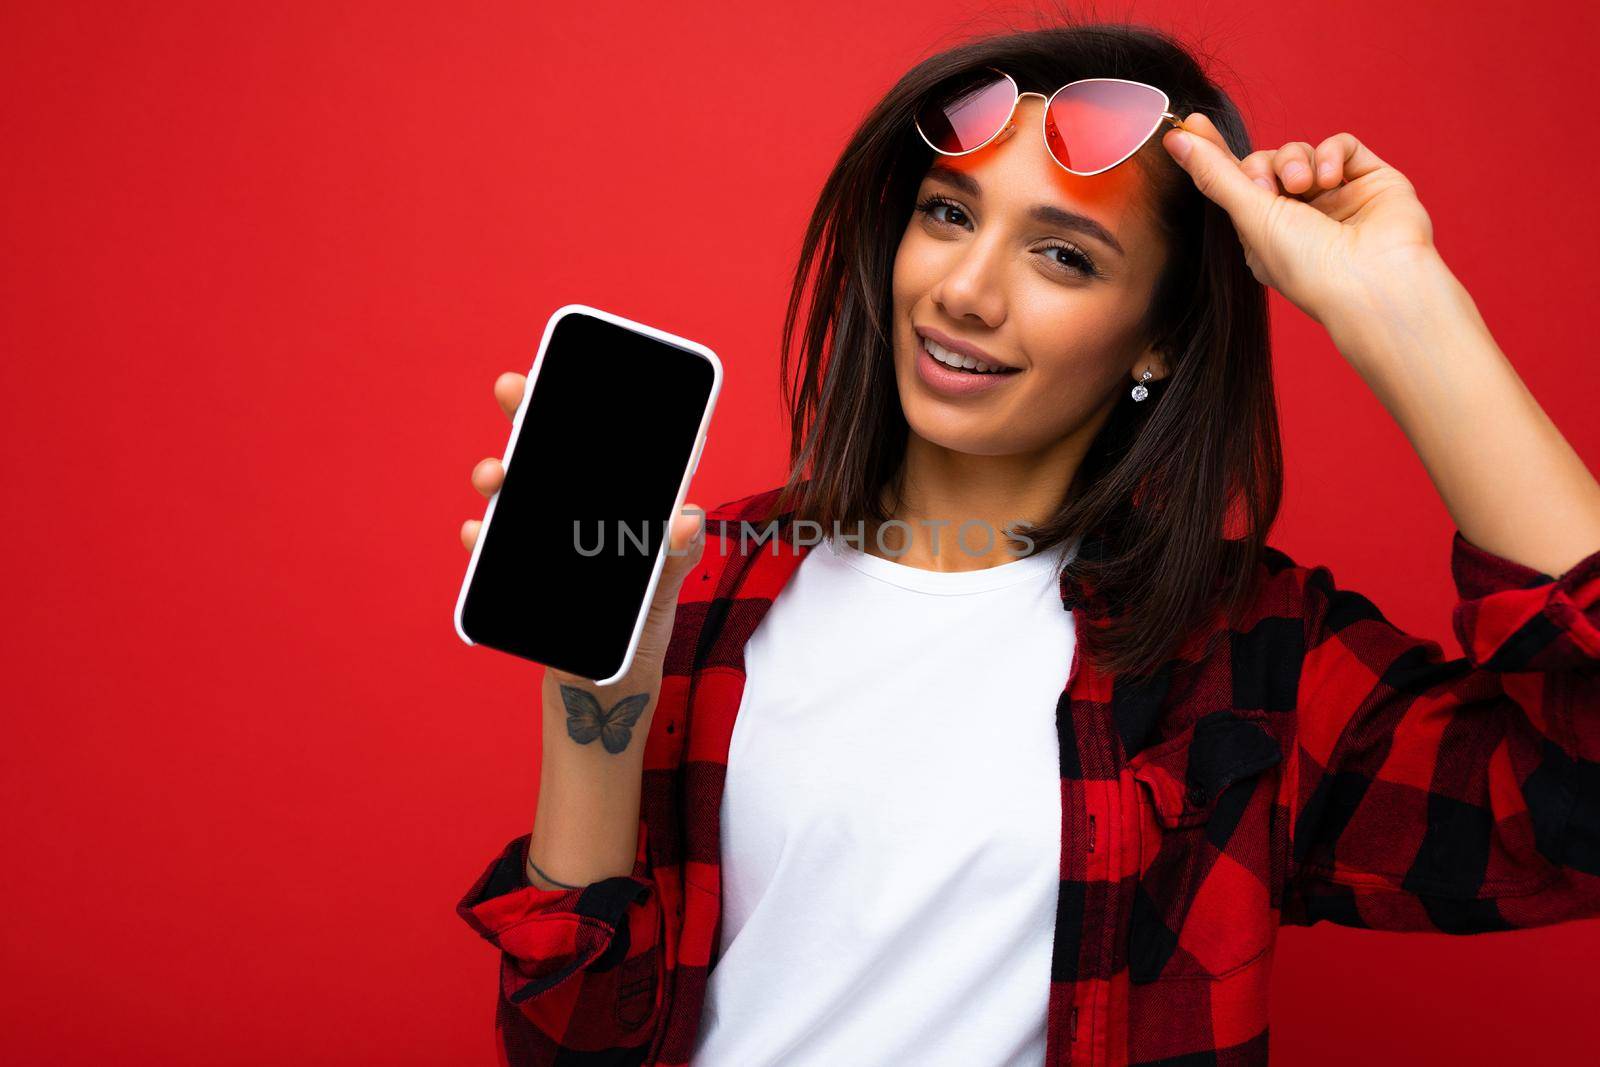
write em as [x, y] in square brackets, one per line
[1139, 391]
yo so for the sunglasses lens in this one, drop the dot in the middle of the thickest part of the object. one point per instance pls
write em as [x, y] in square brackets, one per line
[1096, 123]
[965, 111]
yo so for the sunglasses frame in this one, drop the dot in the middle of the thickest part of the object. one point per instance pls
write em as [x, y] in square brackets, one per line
[1011, 122]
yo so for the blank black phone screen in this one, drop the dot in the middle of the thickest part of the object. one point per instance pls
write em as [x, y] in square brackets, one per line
[610, 426]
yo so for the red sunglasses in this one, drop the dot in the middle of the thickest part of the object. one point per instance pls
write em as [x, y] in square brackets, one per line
[1090, 125]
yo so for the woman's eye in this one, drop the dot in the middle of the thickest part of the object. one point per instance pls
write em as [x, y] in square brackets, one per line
[1074, 259]
[928, 207]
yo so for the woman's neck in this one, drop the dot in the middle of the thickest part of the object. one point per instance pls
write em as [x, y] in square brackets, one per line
[954, 511]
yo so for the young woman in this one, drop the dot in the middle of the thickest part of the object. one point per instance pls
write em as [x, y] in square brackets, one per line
[1044, 794]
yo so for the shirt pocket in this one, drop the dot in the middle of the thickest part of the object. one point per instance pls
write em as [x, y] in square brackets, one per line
[1203, 899]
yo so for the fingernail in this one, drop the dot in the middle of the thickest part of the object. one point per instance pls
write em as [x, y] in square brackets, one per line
[1327, 172]
[1264, 184]
[1293, 171]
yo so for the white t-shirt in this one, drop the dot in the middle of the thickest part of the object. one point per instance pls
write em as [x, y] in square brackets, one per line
[891, 819]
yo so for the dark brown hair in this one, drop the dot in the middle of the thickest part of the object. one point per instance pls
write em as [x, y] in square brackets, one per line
[1179, 489]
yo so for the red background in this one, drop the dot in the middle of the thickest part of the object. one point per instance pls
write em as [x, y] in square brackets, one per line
[261, 266]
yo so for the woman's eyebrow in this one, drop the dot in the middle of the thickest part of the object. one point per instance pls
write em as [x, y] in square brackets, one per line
[1048, 214]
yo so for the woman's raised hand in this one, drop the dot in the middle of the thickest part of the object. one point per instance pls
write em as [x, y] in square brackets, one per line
[1326, 226]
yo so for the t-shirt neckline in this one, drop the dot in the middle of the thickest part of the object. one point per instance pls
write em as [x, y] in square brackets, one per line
[981, 580]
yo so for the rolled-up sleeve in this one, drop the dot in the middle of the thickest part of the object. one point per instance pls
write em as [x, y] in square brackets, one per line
[581, 970]
[1450, 795]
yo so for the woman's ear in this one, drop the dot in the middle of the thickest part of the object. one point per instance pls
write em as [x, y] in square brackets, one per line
[1153, 361]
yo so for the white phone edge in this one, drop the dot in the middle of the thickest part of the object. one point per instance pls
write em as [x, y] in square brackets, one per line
[683, 485]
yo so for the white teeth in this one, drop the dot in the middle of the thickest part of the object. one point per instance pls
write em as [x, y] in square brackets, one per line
[949, 358]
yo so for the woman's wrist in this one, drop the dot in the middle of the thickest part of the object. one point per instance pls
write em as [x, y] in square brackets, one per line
[1420, 301]
[535, 874]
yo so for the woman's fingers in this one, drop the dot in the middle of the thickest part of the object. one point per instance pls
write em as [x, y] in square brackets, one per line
[1200, 124]
[1258, 167]
[1294, 165]
[486, 479]
[1297, 168]
[1302, 170]
[508, 391]
[1204, 154]
[1330, 158]
[1352, 158]
[487, 476]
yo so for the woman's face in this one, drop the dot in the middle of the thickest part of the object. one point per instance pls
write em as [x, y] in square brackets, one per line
[1055, 297]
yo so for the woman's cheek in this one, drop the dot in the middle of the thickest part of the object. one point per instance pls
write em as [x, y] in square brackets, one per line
[1063, 391]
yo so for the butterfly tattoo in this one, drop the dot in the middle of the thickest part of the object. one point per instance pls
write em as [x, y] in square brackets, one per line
[587, 721]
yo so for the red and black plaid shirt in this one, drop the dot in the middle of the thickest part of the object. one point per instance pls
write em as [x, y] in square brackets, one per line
[1318, 764]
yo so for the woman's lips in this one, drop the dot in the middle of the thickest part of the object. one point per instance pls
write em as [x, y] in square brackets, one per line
[951, 382]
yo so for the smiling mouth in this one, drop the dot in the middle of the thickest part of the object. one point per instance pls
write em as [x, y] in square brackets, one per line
[964, 364]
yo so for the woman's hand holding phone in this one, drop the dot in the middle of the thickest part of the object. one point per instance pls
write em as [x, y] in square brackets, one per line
[687, 546]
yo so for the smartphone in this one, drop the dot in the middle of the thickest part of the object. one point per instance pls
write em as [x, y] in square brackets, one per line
[603, 445]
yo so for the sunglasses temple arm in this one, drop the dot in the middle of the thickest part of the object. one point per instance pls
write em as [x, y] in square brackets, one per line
[1175, 121]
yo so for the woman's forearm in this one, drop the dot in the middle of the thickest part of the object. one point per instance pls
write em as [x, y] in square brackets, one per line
[587, 824]
[1510, 480]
